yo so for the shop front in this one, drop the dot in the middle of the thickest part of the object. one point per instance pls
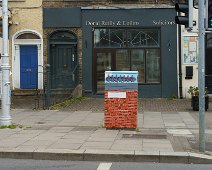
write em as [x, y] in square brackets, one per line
[143, 40]
[124, 39]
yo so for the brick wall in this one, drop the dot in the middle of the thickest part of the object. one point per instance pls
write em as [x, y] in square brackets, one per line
[25, 14]
[121, 112]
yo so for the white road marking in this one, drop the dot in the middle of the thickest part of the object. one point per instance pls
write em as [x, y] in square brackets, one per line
[104, 166]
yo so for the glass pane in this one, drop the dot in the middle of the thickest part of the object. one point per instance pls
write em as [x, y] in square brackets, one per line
[122, 60]
[103, 64]
[138, 64]
[143, 38]
[101, 38]
[152, 38]
[153, 66]
[117, 38]
[109, 37]
[209, 40]
[28, 36]
[63, 35]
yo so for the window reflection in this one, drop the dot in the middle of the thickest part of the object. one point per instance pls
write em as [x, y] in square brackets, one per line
[209, 40]
[101, 37]
[122, 60]
[152, 66]
[103, 64]
[138, 64]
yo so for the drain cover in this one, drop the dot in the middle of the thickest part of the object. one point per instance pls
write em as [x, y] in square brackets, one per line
[39, 127]
[84, 128]
[144, 136]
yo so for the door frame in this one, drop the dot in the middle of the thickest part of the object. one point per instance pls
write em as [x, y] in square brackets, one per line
[74, 43]
[16, 56]
[74, 49]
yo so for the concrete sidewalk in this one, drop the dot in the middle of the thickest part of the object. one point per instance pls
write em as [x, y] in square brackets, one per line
[79, 135]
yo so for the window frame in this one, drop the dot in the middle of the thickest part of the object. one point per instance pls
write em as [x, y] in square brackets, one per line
[129, 50]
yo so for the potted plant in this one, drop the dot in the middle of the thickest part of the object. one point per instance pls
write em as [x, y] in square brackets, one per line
[194, 91]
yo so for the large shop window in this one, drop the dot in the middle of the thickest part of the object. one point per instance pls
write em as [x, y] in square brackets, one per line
[130, 49]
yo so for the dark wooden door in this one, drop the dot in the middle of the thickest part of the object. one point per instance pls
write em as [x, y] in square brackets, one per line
[63, 65]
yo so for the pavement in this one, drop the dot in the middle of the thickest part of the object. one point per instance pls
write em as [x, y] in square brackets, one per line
[167, 132]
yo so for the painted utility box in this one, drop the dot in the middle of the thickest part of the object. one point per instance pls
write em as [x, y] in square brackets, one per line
[121, 99]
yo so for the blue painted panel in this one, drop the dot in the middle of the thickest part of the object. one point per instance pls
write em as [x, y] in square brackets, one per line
[28, 67]
[121, 80]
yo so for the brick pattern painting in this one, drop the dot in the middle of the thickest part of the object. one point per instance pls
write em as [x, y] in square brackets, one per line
[121, 113]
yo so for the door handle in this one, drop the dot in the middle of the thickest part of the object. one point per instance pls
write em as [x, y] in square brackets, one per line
[73, 57]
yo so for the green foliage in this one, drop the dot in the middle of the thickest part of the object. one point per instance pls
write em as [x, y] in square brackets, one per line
[172, 98]
[67, 103]
[13, 126]
[194, 91]
[138, 130]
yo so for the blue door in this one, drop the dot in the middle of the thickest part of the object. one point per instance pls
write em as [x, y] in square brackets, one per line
[29, 67]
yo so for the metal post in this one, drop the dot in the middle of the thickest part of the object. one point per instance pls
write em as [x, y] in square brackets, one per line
[201, 76]
[48, 86]
[180, 63]
[5, 118]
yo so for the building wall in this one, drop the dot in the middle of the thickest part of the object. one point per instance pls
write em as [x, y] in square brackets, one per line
[168, 84]
[47, 4]
[186, 83]
[25, 15]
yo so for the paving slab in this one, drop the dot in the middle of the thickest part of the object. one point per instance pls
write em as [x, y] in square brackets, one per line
[61, 135]
[97, 145]
[181, 132]
[61, 144]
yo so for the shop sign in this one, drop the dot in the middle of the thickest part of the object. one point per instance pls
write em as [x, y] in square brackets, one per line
[163, 22]
[112, 23]
[160, 22]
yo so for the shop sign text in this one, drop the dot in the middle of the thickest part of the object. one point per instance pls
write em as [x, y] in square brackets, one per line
[163, 22]
[112, 23]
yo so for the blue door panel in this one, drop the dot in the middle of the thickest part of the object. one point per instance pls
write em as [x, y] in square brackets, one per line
[28, 67]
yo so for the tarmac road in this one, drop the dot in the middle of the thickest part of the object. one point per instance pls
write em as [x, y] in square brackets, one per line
[16, 164]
